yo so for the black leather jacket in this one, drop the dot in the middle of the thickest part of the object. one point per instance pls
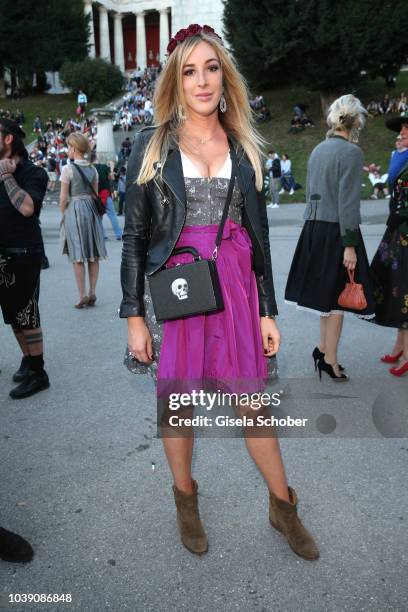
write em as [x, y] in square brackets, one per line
[154, 217]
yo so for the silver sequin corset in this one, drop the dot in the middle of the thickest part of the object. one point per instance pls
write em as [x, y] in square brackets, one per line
[206, 199]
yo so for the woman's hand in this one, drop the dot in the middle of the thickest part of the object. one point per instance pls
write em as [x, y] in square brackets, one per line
[140, 340]
[270, 336]
[350, 258]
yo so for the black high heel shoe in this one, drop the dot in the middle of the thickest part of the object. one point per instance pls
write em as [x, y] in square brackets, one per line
[317, 354]
[328, 368]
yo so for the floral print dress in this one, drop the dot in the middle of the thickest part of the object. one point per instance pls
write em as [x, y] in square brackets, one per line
[390, 263]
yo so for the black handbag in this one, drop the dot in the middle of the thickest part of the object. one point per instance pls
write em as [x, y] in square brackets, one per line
[100, 206]
[193, 288]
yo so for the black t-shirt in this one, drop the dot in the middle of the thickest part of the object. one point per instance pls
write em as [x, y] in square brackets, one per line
[52, 165]
[15, 229]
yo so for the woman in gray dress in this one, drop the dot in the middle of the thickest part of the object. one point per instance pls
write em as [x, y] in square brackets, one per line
[81, 226]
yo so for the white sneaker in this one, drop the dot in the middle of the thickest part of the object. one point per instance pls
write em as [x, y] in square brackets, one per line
[291, 192]
[388, 196]
[273, 205]
[281, 191]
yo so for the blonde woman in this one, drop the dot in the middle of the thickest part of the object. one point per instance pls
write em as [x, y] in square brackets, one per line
[177, 182]
[331, 242]
[81, 226]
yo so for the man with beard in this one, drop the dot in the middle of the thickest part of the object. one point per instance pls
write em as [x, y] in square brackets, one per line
[22, 189]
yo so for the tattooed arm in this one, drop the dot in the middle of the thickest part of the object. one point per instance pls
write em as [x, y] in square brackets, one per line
[19, 198]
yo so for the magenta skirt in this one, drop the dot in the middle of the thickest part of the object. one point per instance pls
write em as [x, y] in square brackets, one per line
[221, 350]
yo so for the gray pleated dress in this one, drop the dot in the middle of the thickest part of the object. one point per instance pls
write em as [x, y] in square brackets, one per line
[81, 229]
[205, 204]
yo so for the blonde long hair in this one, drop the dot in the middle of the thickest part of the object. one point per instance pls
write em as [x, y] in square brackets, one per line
[169, 99]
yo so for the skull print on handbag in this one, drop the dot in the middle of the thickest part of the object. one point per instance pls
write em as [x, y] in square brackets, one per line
[190, 289]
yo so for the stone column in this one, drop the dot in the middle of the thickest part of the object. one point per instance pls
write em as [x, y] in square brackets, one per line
[119, 50]
[104, 34]
[164, 33]
[88, 11]
[105, 142]
[141, 57]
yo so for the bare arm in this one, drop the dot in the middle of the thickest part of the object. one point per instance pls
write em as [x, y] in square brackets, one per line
[64, 196]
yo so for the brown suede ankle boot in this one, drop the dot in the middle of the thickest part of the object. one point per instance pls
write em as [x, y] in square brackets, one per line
[188, 520]
[283, 516]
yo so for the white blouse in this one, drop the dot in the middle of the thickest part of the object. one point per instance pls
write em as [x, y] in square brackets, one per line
[191, 171]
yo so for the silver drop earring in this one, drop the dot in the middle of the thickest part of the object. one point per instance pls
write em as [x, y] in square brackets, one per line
[181, 115]
[223, 104]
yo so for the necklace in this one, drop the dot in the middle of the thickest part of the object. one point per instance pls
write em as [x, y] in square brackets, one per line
[201, 141]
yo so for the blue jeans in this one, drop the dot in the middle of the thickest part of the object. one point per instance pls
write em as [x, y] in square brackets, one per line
[111, 212]
[288, 182]
[121, 202]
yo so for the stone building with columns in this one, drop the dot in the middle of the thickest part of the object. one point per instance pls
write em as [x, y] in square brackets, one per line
[133, 33]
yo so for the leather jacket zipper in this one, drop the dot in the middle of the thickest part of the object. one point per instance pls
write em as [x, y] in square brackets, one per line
[184, 208]
[165, 199]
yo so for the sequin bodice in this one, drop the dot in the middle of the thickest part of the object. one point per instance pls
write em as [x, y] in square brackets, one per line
[206, 199]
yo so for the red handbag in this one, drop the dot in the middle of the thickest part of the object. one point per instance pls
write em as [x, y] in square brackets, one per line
[352, 296]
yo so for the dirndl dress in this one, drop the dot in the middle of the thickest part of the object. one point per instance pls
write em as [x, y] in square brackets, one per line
[81, 234]
[390, 263]
[223, 349]
[317, 275]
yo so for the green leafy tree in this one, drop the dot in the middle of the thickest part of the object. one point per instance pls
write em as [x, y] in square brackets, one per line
[98, 78]
[40, 35]
[324, 45]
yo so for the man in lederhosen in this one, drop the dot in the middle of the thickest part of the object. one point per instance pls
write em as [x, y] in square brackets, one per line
[22, 189]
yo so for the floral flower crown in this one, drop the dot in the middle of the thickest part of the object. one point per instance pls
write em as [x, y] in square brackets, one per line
[193, 30]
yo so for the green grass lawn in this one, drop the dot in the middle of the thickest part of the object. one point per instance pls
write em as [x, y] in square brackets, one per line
[45, 105]
[376, 140]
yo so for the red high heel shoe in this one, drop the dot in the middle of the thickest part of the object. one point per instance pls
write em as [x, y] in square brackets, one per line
[391, 358]
[399, 371]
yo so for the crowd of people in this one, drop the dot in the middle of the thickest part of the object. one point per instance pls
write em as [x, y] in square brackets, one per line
[136, 108]
[388, 105]
[16, 115]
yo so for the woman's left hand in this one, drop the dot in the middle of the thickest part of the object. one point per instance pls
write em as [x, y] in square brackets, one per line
[270, 336]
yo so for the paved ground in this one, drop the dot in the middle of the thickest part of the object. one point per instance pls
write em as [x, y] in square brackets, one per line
[77, 478]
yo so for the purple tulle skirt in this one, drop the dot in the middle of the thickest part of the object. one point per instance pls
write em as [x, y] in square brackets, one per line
[221, 350]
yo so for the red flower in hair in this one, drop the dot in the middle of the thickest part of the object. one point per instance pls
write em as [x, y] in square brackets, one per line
[171, 46]
[181, 35]
[194, 29]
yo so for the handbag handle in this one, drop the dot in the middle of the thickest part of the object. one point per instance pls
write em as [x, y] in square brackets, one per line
[351, 276]
[188, 249]
[227, 202]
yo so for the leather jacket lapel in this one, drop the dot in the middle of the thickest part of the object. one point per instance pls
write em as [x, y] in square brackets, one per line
[173, 176]
[245, 175]
[245, 172]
